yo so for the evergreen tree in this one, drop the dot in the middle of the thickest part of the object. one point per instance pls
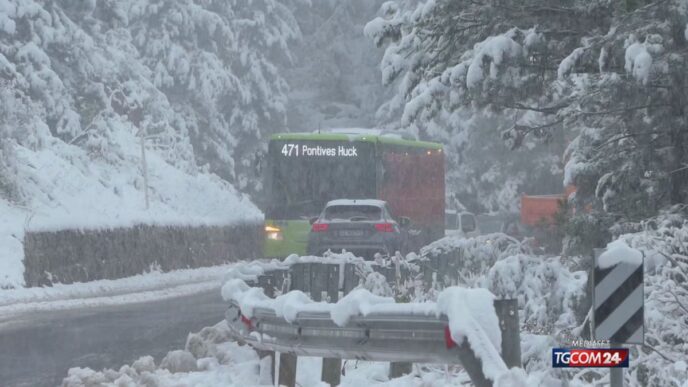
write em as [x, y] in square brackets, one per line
[605, 77]
[199, 78]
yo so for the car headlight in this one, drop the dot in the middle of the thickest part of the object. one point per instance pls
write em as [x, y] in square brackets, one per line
[273, 233]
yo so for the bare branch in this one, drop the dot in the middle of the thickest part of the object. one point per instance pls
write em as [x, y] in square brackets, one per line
[622, 110]
[529, 129]
[678, 301]
[546, 110]
[658, 352]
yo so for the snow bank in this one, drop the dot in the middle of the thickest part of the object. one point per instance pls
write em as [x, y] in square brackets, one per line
[140, 288]
[619, 252]
[514, 377]
[224, 364]
[12, 249]
[232, 365]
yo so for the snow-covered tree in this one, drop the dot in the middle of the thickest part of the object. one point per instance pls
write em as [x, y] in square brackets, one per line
[198, 78]
[335, 80]
[608, 77]
[455, 63]
[215, 61]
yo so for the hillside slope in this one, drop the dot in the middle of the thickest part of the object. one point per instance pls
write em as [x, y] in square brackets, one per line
[81, 81]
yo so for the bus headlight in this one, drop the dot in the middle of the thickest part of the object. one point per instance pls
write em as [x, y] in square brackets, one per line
[273, 233]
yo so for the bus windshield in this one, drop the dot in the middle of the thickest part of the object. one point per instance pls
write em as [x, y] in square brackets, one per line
[306, 174]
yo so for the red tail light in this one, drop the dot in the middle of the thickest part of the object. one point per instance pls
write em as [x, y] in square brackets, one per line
[320, 227]
[448, 339]
[384, 227]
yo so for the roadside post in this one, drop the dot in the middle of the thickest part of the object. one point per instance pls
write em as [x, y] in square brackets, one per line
[618, 301]
[331, 372]
[507, 314]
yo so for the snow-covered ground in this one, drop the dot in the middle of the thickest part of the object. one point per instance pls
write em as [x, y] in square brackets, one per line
[66, 188]
[551, 297]
[140, 288]
[210, 360]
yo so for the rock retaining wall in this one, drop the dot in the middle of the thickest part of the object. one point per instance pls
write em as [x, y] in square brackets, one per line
[68, 256]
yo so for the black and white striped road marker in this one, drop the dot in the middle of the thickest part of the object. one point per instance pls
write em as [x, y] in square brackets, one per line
[619, 301]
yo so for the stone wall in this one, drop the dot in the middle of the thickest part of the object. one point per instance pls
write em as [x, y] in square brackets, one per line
[68, 256]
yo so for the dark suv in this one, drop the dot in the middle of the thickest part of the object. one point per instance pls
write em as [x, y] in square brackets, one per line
[361, 226]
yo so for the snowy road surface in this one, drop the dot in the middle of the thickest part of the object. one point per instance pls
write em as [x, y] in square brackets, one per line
[39, 350]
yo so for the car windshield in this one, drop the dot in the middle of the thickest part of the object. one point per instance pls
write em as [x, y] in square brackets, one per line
[303, 175]
[353, 212]
[490, 224]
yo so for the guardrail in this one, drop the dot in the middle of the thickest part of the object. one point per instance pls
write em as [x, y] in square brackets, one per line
[400, 337]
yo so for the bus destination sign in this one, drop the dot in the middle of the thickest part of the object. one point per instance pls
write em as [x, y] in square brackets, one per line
[303, 150]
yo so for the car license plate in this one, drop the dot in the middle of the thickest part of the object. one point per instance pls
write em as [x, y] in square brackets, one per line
[351, 233]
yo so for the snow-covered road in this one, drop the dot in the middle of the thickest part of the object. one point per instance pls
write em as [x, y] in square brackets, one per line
[38, 348]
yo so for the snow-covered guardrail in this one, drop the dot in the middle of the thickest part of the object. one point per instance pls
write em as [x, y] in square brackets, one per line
[465, 326]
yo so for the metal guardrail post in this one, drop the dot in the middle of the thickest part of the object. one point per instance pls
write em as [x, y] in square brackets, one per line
[426, 267]
[435, 265]
[267, 367]
[472, 365]
[298, 278]
[442, 273]
[507, 313]
[397, 369]
[350, 278]
[332, 371]
[287, 370]
[317, 280]
[332, 367]
[454, 264]
[332, 284]
[281, 279]
[300, 275]
[267, 282]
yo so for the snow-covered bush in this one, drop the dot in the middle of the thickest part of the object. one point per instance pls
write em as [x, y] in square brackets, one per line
[661, 361]
[377, 284]
[551, 297]
[179, 361]
[474, 257]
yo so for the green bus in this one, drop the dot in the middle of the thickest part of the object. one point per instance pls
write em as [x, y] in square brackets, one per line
[306, 170]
